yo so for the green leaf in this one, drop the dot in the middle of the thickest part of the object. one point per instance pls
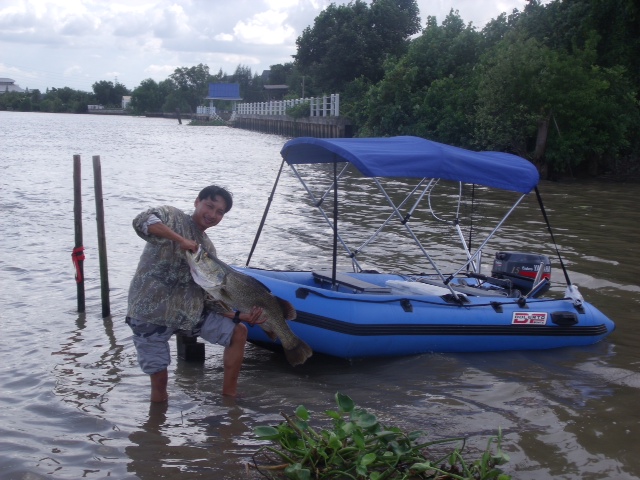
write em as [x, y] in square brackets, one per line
[364, 419]
[345, 404]
[421, 467]
[333, 414]
[334, 442]
[348, 428]
[358, 439]
[398, 448]
[267, 433]
[386, 434]
[416, 435]
[302, 413]
[368, 459]
[296, 472]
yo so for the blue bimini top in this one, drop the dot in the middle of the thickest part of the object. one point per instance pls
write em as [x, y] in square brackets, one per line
[417, 158]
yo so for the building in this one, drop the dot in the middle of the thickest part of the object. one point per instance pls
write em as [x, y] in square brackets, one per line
[276, 92]
[9, 85]
[126, 100]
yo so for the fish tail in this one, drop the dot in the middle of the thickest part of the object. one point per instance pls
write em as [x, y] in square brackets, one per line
[299, 353]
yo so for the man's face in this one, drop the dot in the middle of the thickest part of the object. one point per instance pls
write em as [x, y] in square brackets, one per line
[209, 212]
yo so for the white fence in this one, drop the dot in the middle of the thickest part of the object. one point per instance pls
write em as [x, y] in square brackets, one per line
[327, 106]
[206, 110]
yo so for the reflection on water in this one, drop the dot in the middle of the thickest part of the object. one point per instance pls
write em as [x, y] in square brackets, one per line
[73, 403]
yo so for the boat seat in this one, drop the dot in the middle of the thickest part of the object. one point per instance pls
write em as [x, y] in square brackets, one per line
[350, 282]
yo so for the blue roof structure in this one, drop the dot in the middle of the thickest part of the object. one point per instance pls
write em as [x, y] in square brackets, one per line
[224, 91]
[416, 157]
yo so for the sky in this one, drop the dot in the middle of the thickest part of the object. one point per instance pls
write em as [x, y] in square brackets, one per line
[75, 43]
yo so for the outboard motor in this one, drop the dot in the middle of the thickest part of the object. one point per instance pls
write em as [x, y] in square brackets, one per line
[522, 269]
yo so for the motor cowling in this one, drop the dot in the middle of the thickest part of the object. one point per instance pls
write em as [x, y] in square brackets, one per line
[521, 269]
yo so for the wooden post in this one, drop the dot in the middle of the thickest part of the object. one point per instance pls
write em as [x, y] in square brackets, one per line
[102, 243]
[77, 255]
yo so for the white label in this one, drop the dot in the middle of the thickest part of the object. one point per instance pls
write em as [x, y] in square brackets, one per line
[529, 318]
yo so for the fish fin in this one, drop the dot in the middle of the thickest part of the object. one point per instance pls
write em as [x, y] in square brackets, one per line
[268, 330]
[288, 310]
[298, 354]
[215, 305]
[272, 336]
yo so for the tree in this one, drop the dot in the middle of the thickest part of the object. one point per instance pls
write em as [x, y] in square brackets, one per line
[148, 97]
[192, 86]
[250, 85]
[109, 94]
[430, 91]
[353, 40]
[553, 107]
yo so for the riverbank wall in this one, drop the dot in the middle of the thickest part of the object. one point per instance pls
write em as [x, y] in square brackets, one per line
[319, 127]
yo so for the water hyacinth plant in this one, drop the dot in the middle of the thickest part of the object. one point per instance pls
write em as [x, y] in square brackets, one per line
[360, 447]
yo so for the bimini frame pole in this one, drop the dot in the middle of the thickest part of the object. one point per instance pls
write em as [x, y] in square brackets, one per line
[318, 204]
[264, 215]
[334, 264]
[493, 232]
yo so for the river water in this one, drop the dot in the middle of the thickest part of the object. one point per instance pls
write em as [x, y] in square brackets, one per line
[74, 404]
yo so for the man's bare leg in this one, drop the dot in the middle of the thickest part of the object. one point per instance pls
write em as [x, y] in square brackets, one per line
[159, 386]
[232, 360]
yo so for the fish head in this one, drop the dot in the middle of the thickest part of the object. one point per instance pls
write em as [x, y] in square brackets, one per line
[205, 269]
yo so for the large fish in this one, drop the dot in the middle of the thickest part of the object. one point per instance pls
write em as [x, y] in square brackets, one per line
[242, 292]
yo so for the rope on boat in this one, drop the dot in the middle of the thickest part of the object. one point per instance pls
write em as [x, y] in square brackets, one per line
[544, 214]
[264, 215]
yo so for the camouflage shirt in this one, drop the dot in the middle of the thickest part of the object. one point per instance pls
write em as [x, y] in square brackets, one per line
[162, 290]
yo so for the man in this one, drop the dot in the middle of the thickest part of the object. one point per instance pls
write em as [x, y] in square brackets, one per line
[164, 299]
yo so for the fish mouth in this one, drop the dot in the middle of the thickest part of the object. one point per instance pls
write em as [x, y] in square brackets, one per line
[200, 254]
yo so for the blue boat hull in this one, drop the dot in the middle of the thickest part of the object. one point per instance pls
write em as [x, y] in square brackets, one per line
[356, 325]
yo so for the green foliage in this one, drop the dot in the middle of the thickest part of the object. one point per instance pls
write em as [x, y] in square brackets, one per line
[250, 85]
[109, 94]
[300, 110]
[360, 447]
[191, 87]
[56, 100]
[525, 86]
[149, 96]
[542, 83]
[429, 92]
[353, 40]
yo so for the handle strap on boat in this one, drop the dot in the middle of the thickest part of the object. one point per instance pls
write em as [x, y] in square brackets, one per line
[264, 215]
[544, 214]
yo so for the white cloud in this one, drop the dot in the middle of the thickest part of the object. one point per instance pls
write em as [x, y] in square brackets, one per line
[172, 22]
[224, 37]
[267, 28]
[73, 70]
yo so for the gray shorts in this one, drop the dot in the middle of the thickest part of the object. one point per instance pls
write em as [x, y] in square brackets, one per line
[152, 341]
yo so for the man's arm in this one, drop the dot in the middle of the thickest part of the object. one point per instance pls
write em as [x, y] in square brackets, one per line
[161, 230]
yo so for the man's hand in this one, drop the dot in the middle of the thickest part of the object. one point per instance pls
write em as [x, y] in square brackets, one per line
[162, 231]
[186, 244]
[253, 317]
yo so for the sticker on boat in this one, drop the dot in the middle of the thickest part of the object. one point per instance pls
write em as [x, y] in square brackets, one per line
[529, 318]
